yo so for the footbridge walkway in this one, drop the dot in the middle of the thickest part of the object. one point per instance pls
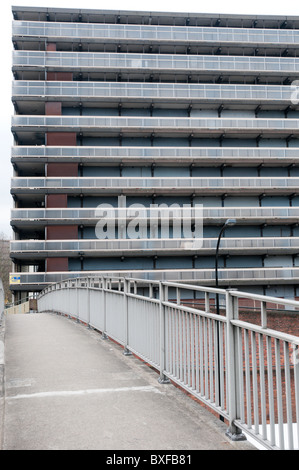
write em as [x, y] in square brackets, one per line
[125, 364]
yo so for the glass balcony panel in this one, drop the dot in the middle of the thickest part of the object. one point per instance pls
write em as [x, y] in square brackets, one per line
[153, 32]
[196, 123]
[73, 60]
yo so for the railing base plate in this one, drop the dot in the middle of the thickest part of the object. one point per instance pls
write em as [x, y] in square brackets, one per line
[127, 352]
[163, 380]
[236, 436]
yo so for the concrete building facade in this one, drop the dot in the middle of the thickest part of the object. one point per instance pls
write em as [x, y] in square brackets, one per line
[120, 108]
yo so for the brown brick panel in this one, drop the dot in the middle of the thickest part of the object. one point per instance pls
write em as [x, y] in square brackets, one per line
[62, 232]
[62, 169]
[61, 138]
[56, 200]
[53, 108]
[56, 264]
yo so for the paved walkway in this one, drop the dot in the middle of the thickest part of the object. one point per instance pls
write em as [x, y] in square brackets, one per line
[65, 388]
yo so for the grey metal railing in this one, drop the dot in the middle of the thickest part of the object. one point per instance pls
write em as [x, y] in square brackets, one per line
[212, 185]
[261, 154]
[248, 373]
[42, 90]
[146, 124]
[94, 247]
[117, 32]
[38, 60]
[204, 276]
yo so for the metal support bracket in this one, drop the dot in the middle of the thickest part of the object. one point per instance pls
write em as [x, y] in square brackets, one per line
[163, 380]
[236, 436]
[127, 352]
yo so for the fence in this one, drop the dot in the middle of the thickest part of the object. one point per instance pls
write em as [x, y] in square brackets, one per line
[1, 299]
[245, 372]
[22, 307]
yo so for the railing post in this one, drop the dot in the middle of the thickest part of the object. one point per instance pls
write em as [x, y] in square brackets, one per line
[77, 297]
[88, 301]
[104, 285]
[233, 432]
[162, 294]
[127, 352]
[69, 298]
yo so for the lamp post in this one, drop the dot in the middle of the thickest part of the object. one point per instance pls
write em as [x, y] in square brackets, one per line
[228, 223]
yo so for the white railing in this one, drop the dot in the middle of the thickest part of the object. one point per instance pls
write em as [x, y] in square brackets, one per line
[100, 61]
[117, 32]
[159, 244]
[206, 276]
[152, 91]
[146, 124]
[140, 154]
[211, 215]
[248, 373]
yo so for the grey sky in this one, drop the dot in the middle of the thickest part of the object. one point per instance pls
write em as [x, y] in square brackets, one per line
[291, 7]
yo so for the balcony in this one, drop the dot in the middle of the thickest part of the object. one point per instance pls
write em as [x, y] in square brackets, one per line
[36, 249]
[31, 218]
[39, 61]
[26, 128]
[167, 156]
[149, 186]
[24, 31]
[227, 277]
[31, 93]
[154, 18]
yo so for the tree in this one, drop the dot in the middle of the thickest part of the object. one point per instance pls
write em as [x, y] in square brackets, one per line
[5, 265]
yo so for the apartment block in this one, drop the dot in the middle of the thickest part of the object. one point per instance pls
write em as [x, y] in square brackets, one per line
[141, 109]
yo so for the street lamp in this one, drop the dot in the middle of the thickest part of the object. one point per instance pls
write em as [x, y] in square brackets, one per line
[228, 223]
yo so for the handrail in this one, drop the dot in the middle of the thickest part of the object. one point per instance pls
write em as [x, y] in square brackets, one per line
[227, 362]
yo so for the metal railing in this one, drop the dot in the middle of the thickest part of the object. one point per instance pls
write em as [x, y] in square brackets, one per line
[150, 185]
[42, 90]
[247, 373]
[202, 275]
[172, 154]
[150, 124]
[38, 60]
[211, 215]
[117, 32]
[156, 243]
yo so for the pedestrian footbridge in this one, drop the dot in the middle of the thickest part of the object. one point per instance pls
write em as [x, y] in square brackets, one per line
[121, 363]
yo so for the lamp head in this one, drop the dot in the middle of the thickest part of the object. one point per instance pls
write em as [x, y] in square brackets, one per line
[230, 222]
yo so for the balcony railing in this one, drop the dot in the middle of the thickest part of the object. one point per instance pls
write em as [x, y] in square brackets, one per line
[148, 125]
[204, 246]
[174, 155]
[136, 185]
[228, 276]
[211, 215]
[73, 61]
[148, 33]
[41, 91]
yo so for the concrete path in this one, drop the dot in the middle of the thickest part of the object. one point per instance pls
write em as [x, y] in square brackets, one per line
[65, 388]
